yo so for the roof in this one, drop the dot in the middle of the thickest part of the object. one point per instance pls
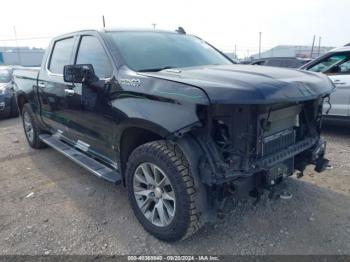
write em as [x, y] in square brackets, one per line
[103, 30]
[341, 49]
[136, 30]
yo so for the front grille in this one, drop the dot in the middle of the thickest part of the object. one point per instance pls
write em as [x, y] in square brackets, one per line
[277, 142]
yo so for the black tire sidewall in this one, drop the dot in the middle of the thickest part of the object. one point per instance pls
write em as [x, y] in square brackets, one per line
[181, 221]
[36, 143]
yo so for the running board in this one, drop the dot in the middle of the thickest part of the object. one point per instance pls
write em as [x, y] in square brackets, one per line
[83, 160]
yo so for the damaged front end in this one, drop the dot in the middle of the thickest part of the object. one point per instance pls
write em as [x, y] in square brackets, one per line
[253, 147]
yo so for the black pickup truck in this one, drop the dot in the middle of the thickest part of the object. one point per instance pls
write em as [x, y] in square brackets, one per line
[174, 120]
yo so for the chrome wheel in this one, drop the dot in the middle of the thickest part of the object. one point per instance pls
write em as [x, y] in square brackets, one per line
[154, 194]
[28, 127]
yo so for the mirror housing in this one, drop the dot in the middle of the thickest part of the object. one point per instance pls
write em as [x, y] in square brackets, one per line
[83, 73]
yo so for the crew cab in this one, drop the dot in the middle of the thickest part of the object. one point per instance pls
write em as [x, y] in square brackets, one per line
[174, 120]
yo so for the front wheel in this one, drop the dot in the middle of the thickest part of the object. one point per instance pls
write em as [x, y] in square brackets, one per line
[162, 191]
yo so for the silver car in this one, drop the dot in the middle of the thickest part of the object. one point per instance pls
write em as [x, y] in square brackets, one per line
[335, 64]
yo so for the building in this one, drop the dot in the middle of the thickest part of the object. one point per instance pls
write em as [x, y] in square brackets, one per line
[23, 56]
[293, 51]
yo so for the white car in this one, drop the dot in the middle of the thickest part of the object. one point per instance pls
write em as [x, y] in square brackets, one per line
[335, 64]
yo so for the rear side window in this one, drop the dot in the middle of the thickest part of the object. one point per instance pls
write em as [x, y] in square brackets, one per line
[259, 62]
[274, 62]
[61, 54]
[91, 52]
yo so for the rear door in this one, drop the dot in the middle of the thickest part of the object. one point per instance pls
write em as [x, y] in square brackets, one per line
[337, 67]
[51, 86]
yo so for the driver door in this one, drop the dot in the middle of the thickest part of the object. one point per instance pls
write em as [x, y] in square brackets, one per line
[340, 99]
[94, 123]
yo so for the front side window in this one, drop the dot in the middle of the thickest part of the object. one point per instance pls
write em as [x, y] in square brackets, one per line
[61, 55]
[154, 51]
[91, 52]
[344, 68]
[5, 75]
[329, 62]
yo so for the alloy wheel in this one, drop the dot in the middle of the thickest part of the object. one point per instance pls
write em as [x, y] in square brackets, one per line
[28, 127]
[154, 194]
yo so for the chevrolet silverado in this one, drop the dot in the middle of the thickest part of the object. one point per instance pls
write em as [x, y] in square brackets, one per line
[174, 120]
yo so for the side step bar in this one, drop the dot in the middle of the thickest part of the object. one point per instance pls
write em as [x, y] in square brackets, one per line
[83, 160]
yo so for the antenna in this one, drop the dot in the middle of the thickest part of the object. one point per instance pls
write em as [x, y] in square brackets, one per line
[180, 30]
[103, 21]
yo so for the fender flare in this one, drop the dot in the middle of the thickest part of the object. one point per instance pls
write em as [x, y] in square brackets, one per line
[140, 123]
[193, 153]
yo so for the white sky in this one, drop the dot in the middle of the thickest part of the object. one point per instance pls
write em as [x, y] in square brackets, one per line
[220, 22]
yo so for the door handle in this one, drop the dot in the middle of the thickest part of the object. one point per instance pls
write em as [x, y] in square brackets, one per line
[338, 82]
[41, 85]
[69, 92]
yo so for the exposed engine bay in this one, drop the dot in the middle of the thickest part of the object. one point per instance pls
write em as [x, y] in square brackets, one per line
[262, 143]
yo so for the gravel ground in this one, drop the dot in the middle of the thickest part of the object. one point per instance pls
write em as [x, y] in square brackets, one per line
[49, 205]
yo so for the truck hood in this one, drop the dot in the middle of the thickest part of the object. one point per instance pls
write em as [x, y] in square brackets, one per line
[251, 84]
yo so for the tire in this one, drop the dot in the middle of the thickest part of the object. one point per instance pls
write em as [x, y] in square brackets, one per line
[165, 157]
[31, 132]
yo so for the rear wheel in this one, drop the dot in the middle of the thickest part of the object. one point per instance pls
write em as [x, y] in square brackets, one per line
[162, 191]
[31, 129]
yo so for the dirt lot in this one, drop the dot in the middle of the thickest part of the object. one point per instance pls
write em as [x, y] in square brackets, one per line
[49, 205]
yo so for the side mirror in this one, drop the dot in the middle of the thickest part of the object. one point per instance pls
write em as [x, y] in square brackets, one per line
[83, 73]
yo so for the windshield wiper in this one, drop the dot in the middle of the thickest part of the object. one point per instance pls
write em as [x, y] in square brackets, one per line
[156, 69]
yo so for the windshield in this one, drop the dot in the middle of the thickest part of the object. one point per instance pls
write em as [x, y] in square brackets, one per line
[5, 76]
[154, 51]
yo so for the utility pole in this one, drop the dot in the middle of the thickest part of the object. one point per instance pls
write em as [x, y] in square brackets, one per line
[154, 26]
[312, 47]
[18, 54]
[103, 21]
[259, 45]
[319, 46]
[235, 51]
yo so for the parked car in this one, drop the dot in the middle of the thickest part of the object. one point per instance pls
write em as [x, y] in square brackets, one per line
[288, 62]
[8, 106]
[336, 65]
[172, 119]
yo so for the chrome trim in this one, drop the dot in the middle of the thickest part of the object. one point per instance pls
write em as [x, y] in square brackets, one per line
[82, 145]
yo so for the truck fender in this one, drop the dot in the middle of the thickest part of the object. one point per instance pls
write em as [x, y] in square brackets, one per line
[193, 153]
